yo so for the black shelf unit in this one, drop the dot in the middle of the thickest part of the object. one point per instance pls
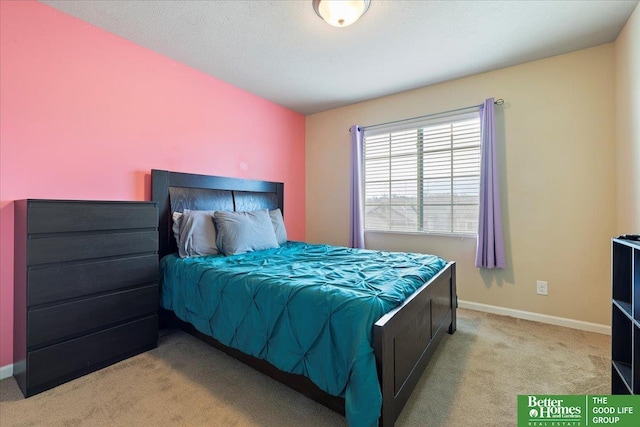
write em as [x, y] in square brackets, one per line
[86, 287]
[625, 316]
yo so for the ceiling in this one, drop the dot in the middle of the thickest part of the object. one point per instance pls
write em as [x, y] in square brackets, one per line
[282, 51]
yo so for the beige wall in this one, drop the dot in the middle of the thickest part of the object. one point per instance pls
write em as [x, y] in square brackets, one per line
[627, 54]
[557, 154]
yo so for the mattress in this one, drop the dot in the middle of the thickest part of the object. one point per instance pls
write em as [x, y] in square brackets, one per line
[306, 309]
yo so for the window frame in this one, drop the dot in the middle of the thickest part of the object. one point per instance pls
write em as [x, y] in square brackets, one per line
[418, 125]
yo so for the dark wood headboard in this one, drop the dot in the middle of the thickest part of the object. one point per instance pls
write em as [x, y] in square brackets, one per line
[175, 191]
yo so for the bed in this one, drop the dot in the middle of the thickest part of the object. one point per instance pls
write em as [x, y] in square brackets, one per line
[401, 343]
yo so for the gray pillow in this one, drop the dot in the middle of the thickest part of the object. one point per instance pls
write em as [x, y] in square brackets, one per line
[197, 235]
[278, 225]
[240, 232]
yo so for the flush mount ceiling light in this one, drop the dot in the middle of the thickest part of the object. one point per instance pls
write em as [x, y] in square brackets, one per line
[340, 13]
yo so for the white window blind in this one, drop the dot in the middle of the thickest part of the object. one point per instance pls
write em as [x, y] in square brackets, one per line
[423, 177]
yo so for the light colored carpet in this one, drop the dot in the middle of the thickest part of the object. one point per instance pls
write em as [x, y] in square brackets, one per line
[473, 380]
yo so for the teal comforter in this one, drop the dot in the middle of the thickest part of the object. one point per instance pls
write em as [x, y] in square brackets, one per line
[306, 309]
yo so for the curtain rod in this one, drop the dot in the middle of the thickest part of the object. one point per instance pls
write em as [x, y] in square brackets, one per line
[498, 101]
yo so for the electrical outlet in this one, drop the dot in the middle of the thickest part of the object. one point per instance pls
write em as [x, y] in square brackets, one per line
[541, 288]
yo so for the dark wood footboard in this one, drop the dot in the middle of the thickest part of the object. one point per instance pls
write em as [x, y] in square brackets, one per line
[406, 338]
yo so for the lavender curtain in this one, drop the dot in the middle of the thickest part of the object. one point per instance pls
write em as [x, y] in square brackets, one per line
[490, 249]
[356, 225]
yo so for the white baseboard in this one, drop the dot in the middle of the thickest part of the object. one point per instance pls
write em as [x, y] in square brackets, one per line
[536, 317]
[6, 371]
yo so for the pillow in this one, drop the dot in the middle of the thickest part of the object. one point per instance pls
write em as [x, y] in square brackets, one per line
[240, 232]
[177, 219]
[278, 225]
[197, 234]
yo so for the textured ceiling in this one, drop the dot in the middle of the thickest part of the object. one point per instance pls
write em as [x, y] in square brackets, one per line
[281, 50]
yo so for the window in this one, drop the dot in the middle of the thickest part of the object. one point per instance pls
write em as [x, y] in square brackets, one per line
[423, 177]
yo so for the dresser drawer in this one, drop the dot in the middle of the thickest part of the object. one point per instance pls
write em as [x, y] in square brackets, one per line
[52, 284]
[54, 323]
[70, 359]
[73, 248]
[70, 216]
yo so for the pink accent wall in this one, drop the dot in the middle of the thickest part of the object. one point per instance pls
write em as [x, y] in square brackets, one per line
[85, 114]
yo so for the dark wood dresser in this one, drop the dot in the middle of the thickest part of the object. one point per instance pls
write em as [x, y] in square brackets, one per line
[86, 287]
